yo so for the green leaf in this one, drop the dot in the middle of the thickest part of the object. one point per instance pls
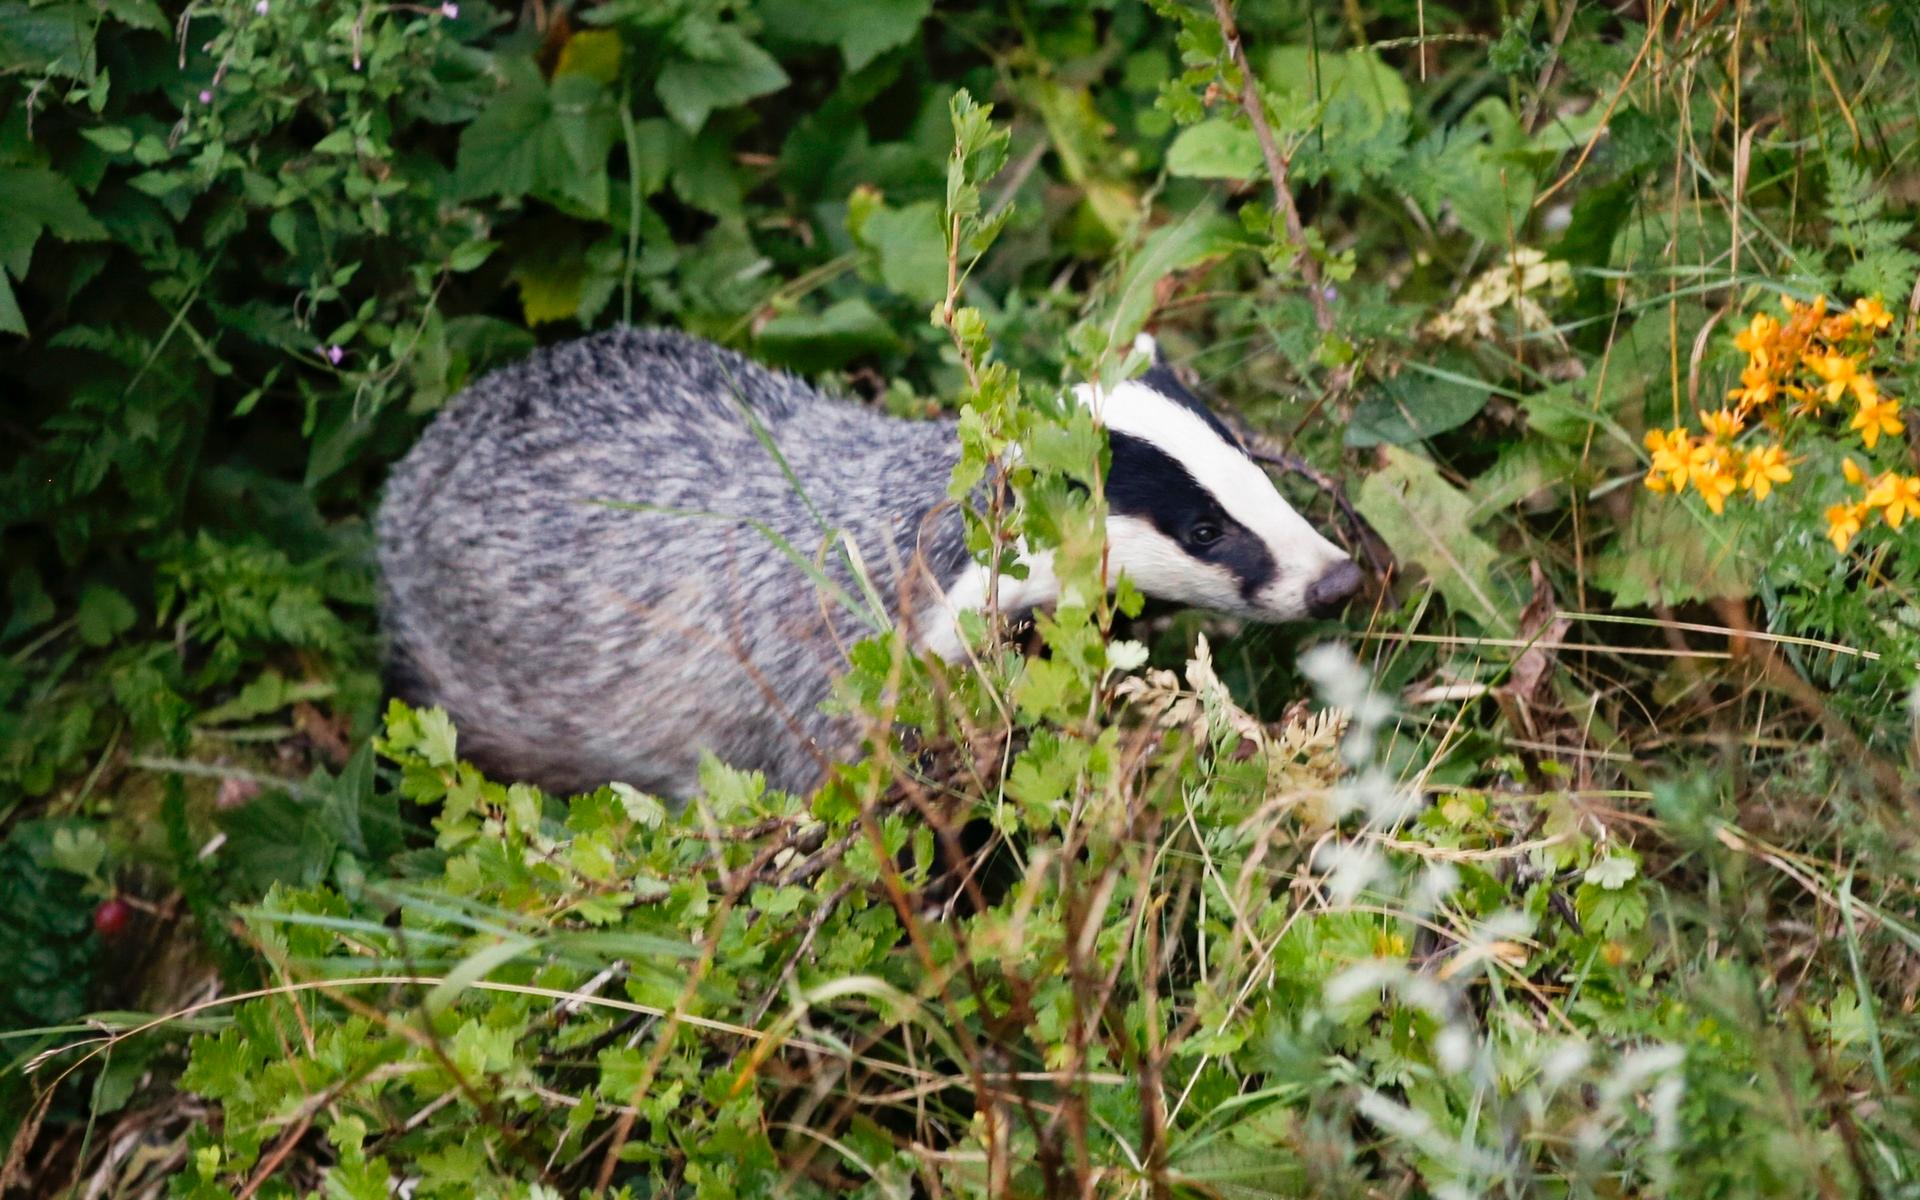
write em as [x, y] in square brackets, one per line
[1178, 246]
[1612, 872]
[111, 138]
[11, 319]
[1216, 148]
[56, 39]
[79, 850]
[729, 70]
[1463, 170]
[594, 53]
[37, 201]
[550, 142]
[1610, 913]
[818, 342]
[1670, 553]
[1425, 520]
[910, 249]
[863, 30]
[104, 614]
[1417, 404]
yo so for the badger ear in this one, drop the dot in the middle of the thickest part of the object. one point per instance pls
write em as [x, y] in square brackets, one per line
[1145, 344]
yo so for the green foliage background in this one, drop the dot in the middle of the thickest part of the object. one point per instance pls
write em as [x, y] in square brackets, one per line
[1646, 927]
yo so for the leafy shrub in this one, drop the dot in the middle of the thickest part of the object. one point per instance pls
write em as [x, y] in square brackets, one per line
[1595, 879]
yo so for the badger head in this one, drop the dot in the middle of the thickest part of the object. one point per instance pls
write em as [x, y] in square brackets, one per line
[1193, 519]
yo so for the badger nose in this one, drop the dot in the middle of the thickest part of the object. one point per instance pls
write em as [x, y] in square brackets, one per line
[1329, 594]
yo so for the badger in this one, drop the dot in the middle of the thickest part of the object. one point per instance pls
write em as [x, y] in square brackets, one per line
[634, 549]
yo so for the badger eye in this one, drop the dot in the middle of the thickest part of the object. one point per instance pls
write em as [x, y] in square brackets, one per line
[1206, 533]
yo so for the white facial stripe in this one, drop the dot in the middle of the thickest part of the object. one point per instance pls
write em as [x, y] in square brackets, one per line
[1159, 567]
[1233, 479]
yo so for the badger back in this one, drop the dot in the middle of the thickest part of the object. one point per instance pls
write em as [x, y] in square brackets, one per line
[606, 560]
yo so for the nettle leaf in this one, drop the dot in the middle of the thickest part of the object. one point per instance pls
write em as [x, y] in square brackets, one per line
[863, 31]
[723, 70]
[1426, 520]
[547, 141]
[39, 201]
[1216, 148]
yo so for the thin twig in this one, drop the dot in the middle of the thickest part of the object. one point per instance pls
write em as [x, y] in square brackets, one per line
[1256, 110]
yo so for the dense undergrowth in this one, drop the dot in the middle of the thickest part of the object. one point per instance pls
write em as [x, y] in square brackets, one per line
[1579, 860]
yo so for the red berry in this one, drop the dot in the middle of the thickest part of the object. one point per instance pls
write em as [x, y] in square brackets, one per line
[110, 919]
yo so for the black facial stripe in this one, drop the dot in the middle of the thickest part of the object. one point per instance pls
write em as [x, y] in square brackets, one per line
[1148, 483]
[1161, 379]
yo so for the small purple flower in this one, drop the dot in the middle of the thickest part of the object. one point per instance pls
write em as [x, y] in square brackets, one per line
[449, 10]
[332, 354]
[206, 96]
[260, 6]
[1330, 293]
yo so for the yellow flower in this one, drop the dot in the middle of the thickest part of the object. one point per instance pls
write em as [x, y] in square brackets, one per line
[1756, 390]
[1903, 499]
[1871, 314]
[1757, 339]
[1875, 417]
[1724, 425]
[1843, 524]
[1815, 308]
[1765, 467]
[1842, 375]
[1880, 491]
[1710, 476]
[1852, 471]
[1672, 454]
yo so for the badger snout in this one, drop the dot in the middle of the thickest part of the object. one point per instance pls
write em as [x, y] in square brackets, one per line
[1328, 594]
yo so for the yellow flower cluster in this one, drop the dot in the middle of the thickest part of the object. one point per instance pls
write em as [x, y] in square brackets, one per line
[1892, 495]
[1712, 464]
[1801, 366]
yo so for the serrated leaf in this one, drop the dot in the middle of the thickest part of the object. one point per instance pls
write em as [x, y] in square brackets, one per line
[37, 201]
[729, 71]
[550, 142]
[863, 30]
[1425, 520]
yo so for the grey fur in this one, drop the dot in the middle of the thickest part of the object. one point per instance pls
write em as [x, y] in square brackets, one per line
[576, 642]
